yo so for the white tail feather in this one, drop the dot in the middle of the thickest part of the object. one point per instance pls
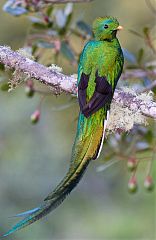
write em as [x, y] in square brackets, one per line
[103, 136]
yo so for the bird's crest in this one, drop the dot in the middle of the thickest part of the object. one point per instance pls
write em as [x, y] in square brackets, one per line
[99, 20]
[100, 31]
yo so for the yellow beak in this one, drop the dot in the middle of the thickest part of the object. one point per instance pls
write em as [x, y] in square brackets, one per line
[119, 28]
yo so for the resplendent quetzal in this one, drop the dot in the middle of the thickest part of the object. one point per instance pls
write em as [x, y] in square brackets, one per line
[99, 69]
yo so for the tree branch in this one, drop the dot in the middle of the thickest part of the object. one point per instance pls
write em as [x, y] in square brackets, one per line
[136, 103]
[66, 1]
[138, 73]
[63, 83]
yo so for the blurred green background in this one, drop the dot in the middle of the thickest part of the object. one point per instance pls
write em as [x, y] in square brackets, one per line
[33, 159]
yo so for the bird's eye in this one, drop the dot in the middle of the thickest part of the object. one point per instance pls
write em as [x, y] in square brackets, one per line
[105, 26]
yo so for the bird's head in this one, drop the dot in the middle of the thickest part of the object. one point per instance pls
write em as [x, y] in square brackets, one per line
[105, 28]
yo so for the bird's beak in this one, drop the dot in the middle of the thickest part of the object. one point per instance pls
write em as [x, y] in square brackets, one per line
[119, 28]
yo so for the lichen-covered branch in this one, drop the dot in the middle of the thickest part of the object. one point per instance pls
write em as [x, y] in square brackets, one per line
[136, 102]
[63, 83]
[66, 1]
[58, 81]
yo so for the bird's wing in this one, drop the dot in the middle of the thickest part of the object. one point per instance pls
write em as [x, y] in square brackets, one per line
[103, 84]
[102, 95]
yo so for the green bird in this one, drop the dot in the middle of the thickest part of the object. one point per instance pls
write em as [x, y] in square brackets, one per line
[100, 67]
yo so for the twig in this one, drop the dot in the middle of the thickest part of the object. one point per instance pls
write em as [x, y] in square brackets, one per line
[63, 83]
[149, 42]
[152, 8]
[138, 73]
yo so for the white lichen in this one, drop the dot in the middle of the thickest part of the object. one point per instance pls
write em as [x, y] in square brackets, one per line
[26, 52]
[17, 78]
[75, 75]
[145, 97]
[122, 119]
[129, 90]
[55, 68]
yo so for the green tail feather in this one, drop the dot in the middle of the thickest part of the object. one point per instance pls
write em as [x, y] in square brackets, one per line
[49, 205]
[82, 154]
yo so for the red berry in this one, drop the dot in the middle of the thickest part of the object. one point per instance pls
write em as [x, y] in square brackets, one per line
[29, 89]
[132, 185]
[131, 163]
[148, 183]
[46, 19]
[35, 117]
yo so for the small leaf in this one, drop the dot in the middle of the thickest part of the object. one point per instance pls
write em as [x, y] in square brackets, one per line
[49, 11]
[35, 19]
[140, 55]
[4, 87]
[146, 81]
[67, 51]
[10, 7]
[154, 90]
[39, 25]
[50, 24]
[68, 9]
[68, 20]
[2, 68]
[135, 33]
[142, 145]
[149, 136]
[84, 27]
[63, 30]
[43, 44]
[146, 31]
[34, 49]
[150, 67]
[60, 18]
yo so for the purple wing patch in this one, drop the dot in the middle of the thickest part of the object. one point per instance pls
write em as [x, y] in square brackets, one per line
[103, 95]
[82, 90]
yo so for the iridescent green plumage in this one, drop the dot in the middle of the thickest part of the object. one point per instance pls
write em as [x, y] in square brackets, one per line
[99, 69]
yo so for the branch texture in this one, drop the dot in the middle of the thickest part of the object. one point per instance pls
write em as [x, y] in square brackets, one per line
[66, 1]
[63, 83]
